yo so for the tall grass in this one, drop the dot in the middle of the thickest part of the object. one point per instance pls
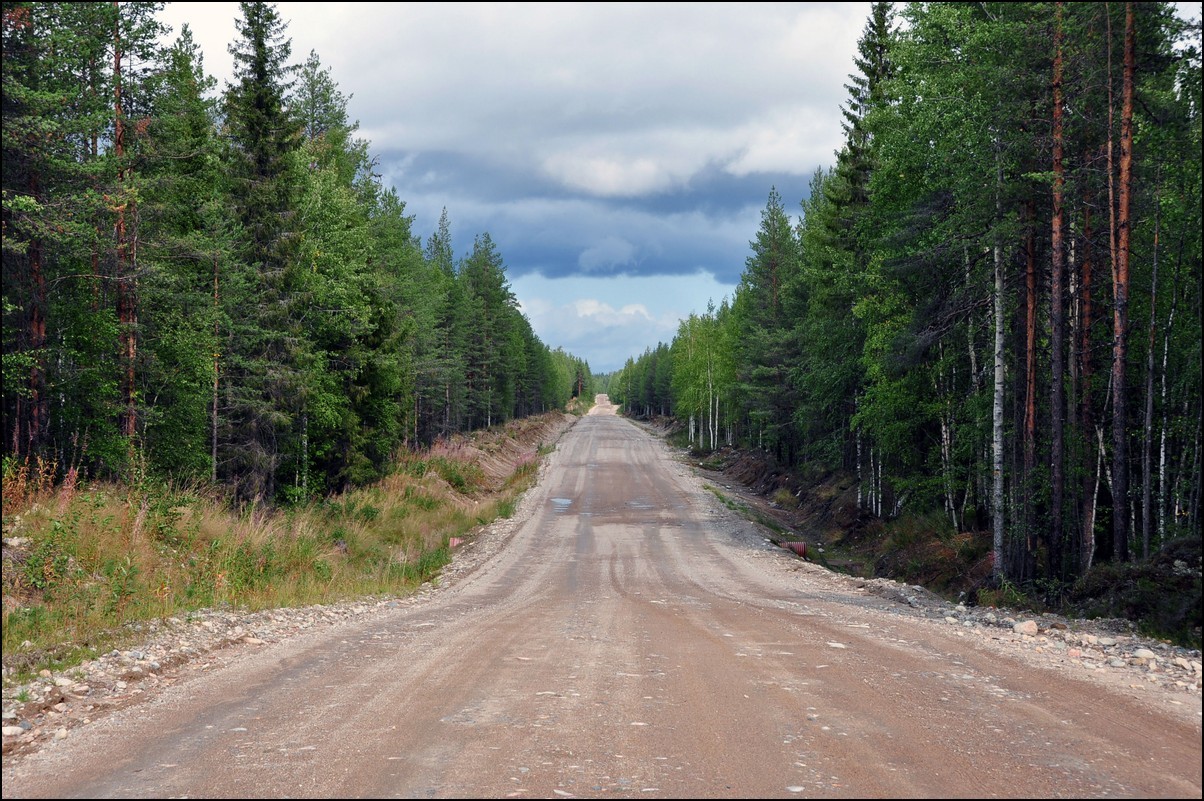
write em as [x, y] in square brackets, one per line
[83, 561]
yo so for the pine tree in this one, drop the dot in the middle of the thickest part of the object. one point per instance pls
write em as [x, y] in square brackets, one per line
[62, 197]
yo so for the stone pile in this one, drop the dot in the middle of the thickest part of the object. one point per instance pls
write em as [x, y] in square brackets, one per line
[1094, 645]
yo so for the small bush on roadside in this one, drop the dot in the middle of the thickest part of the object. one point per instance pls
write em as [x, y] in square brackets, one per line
[785, 498]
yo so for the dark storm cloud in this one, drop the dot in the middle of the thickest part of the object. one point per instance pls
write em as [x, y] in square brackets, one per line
[539, 226]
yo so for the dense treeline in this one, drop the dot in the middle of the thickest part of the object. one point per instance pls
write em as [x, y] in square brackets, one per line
[205, 285]
[990, 304]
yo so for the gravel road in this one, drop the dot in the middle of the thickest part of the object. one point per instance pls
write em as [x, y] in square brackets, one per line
[622, 635]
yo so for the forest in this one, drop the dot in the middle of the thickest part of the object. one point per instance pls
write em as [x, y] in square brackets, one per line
[987, 310]
[214, 285]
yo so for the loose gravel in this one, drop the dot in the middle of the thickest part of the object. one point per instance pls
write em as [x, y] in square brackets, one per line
[56, 702]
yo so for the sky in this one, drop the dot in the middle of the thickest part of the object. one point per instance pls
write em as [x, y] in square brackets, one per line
[619, 155]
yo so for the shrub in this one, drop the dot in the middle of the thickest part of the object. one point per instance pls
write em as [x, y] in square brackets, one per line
[1161, 594]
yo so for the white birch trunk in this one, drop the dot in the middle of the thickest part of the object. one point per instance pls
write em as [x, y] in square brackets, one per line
[1147, 467]
[997, 401]
[860, 477]
[1166, 345]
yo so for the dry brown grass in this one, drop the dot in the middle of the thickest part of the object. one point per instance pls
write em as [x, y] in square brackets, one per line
[27, 482]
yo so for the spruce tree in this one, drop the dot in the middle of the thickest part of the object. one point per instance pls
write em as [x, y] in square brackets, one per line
[767, 307]
[185, 253]
[263, 340]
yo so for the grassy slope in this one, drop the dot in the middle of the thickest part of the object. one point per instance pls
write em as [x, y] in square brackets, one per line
[82, 563]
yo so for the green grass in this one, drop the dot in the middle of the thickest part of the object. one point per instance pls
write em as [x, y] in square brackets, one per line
[98, 560]
[748, 513]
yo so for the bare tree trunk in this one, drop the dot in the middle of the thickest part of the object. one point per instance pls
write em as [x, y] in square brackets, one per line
[1088, 554]
[127, 307]
[1057, 318]
[946, 421]
[304, 454]
[860, 478]
[39, 402]
[714, 416]
[974, 376]
[1078, 449]
[878, 488]
[1193, 505]
[947, 469]
[1120, 443]
[1030, 378]
[1166, 346]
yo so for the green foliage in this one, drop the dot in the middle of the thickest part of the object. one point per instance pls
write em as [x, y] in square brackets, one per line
[424, 568]
[122, 576]
[289, 332]
[747, 511]
[266, 361]
[292, 334]
[765, 310]
[644, 386]
[1006, 595]
[866, 339]
[51, 562]
[704, 374]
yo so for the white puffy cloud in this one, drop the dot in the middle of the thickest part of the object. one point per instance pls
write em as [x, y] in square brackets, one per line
[598, 320]
[634, 144]
[609, 175]
[610, 99]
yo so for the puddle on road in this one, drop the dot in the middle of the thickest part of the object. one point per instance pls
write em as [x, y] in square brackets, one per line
[562, 504]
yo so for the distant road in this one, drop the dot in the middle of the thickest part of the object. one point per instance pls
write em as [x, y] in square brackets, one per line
[632, 639]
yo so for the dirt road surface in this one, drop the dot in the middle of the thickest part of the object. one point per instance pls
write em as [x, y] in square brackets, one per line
[625, 635]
